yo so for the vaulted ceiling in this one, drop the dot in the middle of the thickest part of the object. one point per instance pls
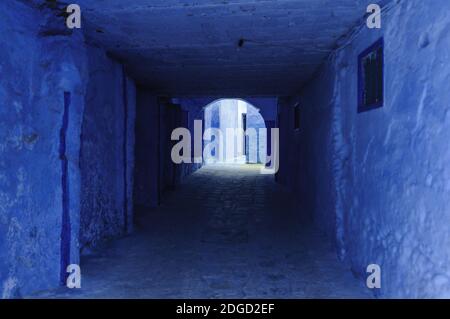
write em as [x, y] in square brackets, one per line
[221, 47]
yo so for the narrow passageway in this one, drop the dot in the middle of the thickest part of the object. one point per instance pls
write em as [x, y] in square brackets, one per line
[226, 232]
[108, 128]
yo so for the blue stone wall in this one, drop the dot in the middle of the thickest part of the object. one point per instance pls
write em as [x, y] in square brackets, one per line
[155, 173]
[130, 144]
[146, 188]
[378, 182]
[212, 121]
[256, 121]
[49, 77]
[40, 66]
[106, 201]
[195, 112]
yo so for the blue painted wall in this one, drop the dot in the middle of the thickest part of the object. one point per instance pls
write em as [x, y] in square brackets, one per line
[155, 173]
[44, 186]
[378, 182]
[146, 188]
[257, 122]
[37, 70]
[106, 194]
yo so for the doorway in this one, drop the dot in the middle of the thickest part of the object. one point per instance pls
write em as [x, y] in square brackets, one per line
[235, 133]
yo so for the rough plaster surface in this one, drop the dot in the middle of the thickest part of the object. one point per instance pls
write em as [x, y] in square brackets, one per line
[153, 138]
[39, 63]
[256, 121]
[381, 179]
[147, 162]
[102, 153]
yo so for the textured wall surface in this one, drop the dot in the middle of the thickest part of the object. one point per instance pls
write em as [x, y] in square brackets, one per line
[228, 118]
[195, 113]
[130, 100]
[259, 147]
[102, 156]
[147, 151]
[155, 172]
[43, 184]
[381, 179]
[39, 63]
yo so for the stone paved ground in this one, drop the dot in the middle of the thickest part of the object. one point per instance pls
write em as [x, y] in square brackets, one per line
[227, 232]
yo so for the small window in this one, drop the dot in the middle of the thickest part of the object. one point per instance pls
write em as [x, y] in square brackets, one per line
[371, 78]
[297, 117]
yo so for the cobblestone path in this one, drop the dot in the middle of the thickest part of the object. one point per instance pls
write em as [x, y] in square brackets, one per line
[227, 232]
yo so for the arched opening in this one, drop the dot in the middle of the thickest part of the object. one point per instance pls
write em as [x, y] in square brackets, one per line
[235, 133]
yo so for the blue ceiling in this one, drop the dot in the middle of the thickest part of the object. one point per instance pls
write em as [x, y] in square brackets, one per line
[221, 47]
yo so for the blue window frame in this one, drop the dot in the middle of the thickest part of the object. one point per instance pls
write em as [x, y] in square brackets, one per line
[371, 77]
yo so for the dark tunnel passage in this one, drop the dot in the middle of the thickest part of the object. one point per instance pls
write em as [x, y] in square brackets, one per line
[225, 149]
